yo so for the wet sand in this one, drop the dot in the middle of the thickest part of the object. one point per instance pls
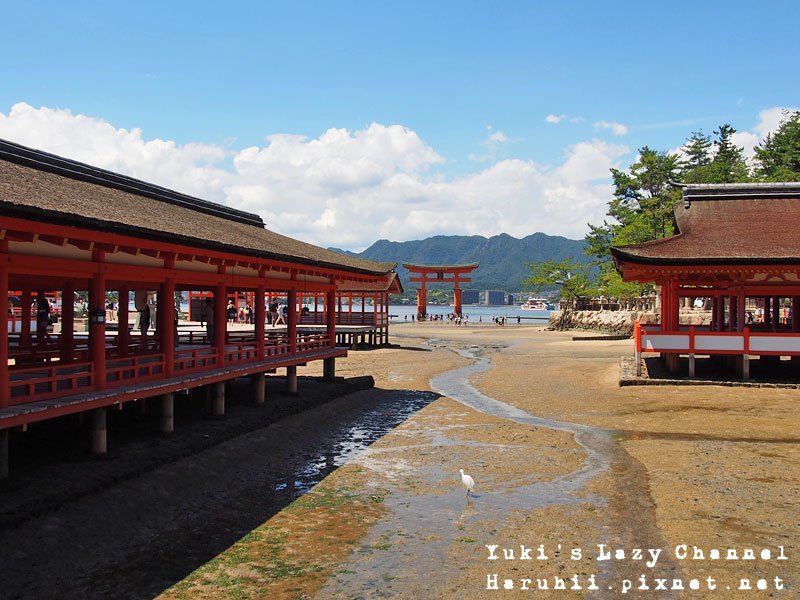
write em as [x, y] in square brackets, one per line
[637, 467]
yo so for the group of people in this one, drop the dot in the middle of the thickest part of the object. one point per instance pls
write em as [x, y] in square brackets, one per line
[276, 315]
[243, 315]
[455, 319]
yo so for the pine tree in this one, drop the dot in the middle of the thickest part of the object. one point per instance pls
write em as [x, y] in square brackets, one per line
[728, 164]
[698, 156]
[778, 156]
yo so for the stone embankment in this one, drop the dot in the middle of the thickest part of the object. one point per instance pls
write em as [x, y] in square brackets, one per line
[619, 322]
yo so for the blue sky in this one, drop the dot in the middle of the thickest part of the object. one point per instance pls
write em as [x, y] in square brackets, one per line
[448, 117]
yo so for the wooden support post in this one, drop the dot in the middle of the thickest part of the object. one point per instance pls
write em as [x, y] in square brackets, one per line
[776, 313]
[4, 453]
[123, 333]
[218, 399]
[329, 369]
[220, 322]
[166, 330]
[767, 313]
[457, 298]
[673, 362]
[746, 367]
[97, 323]
[291, 379]
[638, 363]
[25, 330]
[665, 307]
[67, 349]
[259, 387]
[692, 366]
[330, 321]
[795, 313]
[741, 316]
[260, 314]
[291, 325]
[167, 413]
[98, 432]
[5, 387]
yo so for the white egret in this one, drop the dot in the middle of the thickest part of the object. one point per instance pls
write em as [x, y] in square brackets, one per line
[467, 481]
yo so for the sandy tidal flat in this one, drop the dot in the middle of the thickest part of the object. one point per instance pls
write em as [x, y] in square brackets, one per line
[657, 480]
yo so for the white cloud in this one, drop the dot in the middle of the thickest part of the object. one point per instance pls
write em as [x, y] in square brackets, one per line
[498, 137]
[554, 118]
[493, 144]
[188, 168]
[345, 188]
[769, 120]
[616, 128]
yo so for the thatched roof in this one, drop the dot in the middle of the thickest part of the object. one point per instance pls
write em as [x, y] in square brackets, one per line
[41, 186]
[391, 284]
[727, 224]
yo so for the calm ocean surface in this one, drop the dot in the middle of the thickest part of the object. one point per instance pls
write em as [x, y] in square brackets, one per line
[400, 313]
[403, 312]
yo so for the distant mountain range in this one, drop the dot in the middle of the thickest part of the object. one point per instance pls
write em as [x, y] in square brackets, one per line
[502, 258]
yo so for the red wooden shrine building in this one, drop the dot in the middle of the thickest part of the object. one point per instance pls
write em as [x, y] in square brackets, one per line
[739, 246]
[67, 227]
[426, 274]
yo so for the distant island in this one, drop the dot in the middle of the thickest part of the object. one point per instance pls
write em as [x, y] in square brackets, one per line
[503, 259]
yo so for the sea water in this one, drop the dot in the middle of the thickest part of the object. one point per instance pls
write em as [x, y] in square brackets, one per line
[484, 314]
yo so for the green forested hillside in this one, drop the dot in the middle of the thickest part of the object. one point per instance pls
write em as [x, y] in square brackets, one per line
[502, 258]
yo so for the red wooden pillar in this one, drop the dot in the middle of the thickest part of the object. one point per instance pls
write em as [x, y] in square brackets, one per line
[676, 306]
[457, 300]
[5, 389]
[68, 322]
[123, 333]
[329, 364]
[97, 323]
[220, 321]
[330, 323]
[291, 325]
[776, 313]
[25, 330]
[166, 314]
[795, 315]
[713, 323]
[741, 316]
[733, 313]
[665, 303]
[261, 317]
[422, 297]
[767, 313]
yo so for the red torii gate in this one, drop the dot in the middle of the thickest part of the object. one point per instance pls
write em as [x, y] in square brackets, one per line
[437, 273]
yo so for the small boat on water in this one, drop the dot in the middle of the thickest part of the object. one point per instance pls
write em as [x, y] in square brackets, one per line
[536, 304]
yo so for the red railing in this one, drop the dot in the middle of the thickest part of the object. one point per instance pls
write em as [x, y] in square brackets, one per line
[344, 318]
[138, 367]
[40, 383]
[52, 377]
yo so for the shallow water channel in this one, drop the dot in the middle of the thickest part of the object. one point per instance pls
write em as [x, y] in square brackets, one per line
[422, 529]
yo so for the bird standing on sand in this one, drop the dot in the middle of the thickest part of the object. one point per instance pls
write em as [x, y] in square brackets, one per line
[467, 481]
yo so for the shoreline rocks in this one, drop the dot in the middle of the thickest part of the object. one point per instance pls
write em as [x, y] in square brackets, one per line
[619, 322]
